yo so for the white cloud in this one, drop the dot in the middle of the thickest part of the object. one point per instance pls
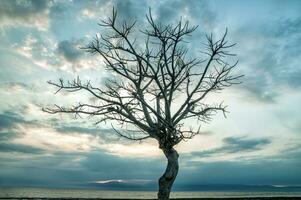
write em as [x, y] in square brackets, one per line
[95, 10]
[51, 140]
[134, 149]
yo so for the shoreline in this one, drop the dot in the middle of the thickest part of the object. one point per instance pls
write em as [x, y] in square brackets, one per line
[216, 198]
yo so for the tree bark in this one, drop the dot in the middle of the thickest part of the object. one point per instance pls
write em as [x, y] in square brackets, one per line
[167, 179]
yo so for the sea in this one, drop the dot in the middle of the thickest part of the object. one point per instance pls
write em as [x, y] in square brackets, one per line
[10, 192]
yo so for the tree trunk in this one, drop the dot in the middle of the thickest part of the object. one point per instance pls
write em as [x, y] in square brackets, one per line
[167, 179]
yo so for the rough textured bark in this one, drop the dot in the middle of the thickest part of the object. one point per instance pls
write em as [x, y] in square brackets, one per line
[167, 179]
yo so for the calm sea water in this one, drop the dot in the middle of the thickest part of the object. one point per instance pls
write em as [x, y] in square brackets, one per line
[92, 193]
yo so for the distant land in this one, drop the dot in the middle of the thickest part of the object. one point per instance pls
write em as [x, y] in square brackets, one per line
[121, 186]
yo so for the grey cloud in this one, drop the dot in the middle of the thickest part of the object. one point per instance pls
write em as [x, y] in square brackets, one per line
[37, 50]
[70, 50]
[48, 54]
[127, 9]
[293, 151]
[9, 119]
[15, 8]
[7, 135]
[114, 167]
[260, 89]
[66, 169]
[59, 9]
[130, 9]
[16, 87]
[106, 134]
[280, 169]
[78, 18]
[12, 85]
[70, 129]
[198, 12]
[287, 27]
[59, 170]
[19, 148]
[273, 62]
[8, 131]
[24, 13]
[235, 145]
[260, 171]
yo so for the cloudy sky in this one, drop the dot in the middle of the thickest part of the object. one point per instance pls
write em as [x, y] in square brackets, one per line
[258, 143]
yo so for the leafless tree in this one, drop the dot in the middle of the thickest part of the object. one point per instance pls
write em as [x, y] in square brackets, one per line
[146, 80]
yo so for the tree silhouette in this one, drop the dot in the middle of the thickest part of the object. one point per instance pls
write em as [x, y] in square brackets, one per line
[156, 85]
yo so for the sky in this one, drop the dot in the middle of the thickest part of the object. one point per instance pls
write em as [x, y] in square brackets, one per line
[259, 143]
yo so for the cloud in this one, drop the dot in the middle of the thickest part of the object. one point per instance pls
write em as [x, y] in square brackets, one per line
[9, 120]
[86, 169]
[28, 13]
[127, 9]
[131, 9]
[16, 86]
[53, 136]
[235, 145]
[70, 50]
[32, 134]
[19, 148]
[80, 170]
[122, 167]
[72, 56]
[49, 139]
[78, 129]
[49, 170]
[279, 169]
[238, 144]
[110, 142]
[107, 135]
[269, 58]
[261, 170]
[49, 54]
[41, 51]
[196, 12]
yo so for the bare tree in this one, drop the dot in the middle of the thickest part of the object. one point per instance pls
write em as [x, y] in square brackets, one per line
[147, 77]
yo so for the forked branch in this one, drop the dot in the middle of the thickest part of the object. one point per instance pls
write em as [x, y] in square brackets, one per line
[148, 80]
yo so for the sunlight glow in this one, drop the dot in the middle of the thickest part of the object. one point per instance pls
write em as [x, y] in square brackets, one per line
[49, 139]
